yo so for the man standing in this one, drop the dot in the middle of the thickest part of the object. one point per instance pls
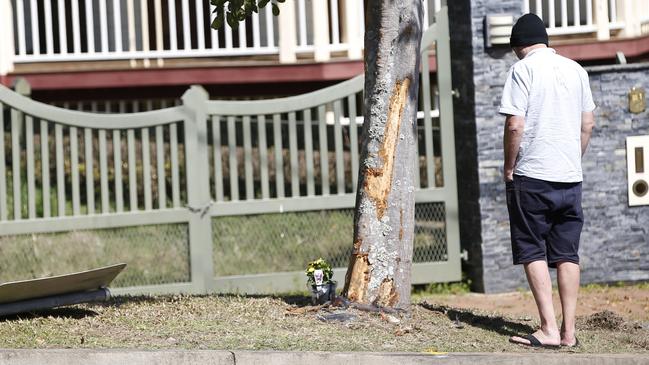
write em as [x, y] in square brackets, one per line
[549, 119]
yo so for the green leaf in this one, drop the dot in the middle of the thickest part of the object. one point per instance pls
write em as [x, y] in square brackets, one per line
[219, 20]
[234, 11]
[232, 21]
[237, 4]
[218, 9]
[247, 7]
[217, 23]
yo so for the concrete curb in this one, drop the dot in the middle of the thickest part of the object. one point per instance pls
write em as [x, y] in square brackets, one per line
[186, 357]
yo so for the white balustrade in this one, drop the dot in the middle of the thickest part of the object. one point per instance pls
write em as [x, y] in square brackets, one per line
[89, 30]
[287, 33]
[602, 20]
[643, 14]
[320, 28]
[600, 17]
[6, 40]
[636, 17]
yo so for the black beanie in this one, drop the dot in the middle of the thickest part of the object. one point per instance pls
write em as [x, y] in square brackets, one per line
[528, 30]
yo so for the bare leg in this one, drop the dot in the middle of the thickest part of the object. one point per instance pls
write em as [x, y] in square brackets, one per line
[568, 278]
[538, 276]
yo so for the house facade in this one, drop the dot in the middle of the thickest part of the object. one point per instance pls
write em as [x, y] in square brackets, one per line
[615, 239]
[92, 55]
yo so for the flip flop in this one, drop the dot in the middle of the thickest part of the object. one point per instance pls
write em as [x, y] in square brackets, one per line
[534, 342]
[576, 344]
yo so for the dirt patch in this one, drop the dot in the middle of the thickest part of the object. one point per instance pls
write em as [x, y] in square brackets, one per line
[630, 302]
[605, 320]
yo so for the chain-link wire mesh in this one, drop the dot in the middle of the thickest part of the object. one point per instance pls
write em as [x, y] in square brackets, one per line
[281, 242]
[270, 243]
[155, 254]
[430, 233]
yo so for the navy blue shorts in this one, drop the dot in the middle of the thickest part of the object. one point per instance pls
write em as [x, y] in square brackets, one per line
[545, 219]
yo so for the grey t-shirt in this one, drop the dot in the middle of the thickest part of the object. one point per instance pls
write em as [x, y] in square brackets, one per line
[551, 92]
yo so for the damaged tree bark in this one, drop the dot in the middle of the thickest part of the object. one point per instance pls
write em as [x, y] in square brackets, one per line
[380, 265]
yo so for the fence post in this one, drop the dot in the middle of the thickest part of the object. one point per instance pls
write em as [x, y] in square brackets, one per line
[7, 49]
[602, 20]
[444, 83]
[321, 30]
[198, 189]
[352, 31]
[287, 33]
[22, 87]
[631, 14]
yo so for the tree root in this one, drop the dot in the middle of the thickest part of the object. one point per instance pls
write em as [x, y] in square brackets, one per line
[343, 302]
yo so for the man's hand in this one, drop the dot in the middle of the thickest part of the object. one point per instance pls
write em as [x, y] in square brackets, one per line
[514, 126]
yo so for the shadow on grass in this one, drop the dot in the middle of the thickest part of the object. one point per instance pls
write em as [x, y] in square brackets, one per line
[491, 323]
[299, 300]
[63, 312]
[296, 300]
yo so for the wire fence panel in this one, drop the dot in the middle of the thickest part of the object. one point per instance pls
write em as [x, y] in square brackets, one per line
[155, 254]
[430, 243]
[324, 165]
[65, 181]
[267, 243]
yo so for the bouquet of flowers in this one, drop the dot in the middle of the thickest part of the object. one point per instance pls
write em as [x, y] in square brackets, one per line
[319, 272]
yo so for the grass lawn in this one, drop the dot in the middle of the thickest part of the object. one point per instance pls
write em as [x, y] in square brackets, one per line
[436, 322]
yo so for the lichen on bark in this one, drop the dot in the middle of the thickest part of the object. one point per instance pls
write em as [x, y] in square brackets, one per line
[379, 270]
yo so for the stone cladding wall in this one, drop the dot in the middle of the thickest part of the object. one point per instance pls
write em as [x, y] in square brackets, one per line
[615, 240]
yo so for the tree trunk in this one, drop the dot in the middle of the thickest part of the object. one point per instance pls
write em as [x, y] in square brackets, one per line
[380, 265]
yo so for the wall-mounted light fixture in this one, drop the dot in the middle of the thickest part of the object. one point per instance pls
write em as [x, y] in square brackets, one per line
[498, 29]
[637, 101]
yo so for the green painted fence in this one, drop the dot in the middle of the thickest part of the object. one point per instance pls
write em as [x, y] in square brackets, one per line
[213, 196]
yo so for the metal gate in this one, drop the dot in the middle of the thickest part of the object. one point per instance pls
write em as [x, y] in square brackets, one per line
[214, 196]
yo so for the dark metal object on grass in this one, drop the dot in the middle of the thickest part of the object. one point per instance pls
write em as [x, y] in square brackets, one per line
[30, 305]
[55, 291]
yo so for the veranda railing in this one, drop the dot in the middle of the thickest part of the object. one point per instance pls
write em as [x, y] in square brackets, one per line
[599, 17]
[58, 30]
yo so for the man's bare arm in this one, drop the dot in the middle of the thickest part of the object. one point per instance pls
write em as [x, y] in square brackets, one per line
[587, 125]
[514, 126]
